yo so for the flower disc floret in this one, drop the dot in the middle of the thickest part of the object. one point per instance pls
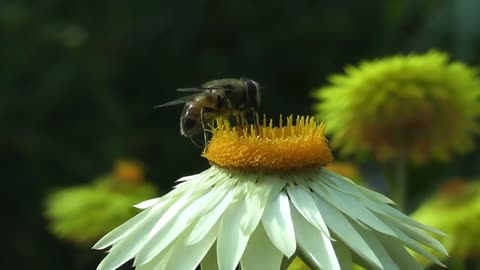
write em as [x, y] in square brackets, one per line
[264, 147]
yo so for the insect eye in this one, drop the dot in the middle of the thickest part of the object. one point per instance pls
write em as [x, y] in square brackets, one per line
[253, 92]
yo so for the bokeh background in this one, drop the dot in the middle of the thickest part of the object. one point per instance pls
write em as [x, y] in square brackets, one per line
[79, 80]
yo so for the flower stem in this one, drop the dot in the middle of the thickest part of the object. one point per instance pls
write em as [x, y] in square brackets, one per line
[287, 261]
[456, 264]
[399, 184]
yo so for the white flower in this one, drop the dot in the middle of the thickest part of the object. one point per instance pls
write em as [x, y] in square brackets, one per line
[222, 217]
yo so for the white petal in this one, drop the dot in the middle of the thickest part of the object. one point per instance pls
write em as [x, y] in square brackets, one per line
[189, 257]
[278, 225]
[314, 244]
[418, 235]
[399, 254]
[408, 242]
[375, 195]
[217, 194]
[253, 213]
[343, 254]
[350, 187]
[180, 190]
[123, 230]
[351, 206]
[149, 203]
[231, 241]
[261, 253]
[272, 185]
[185, 178]
[344, 230]
[198, 182]
[305, 204]
[155, 263]
[123, 251]
[340, 182]
[206, 222]
[387, 210]
[133, 240]
[259, 192]
[171, 213]
[171, 229]
[345, 185]
[118, 233]
[377, 247]
[161, 259]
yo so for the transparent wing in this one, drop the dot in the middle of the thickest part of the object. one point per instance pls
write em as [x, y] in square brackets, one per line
[196, 89]
[176, 101]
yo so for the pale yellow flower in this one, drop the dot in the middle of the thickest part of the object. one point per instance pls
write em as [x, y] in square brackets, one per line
[82, 214]
[423, 105]
[455, 209]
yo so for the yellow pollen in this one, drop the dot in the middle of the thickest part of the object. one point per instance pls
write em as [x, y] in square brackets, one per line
[296, 145]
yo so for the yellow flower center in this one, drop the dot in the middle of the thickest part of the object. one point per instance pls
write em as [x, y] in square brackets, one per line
[267, 148]
[128, 172]
[453, 187]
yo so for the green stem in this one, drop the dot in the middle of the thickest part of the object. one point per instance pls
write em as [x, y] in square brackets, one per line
[286, 262]
[398, 186]
[456, 264]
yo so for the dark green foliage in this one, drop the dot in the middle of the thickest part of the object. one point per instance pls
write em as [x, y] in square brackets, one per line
[79, 79]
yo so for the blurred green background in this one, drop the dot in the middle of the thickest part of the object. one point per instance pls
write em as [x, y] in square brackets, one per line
[79, 80]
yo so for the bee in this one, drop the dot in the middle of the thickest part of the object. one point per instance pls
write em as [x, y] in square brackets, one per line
[215, 99]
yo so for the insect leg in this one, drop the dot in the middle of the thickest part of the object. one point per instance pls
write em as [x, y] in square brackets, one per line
[231, 118]
[254, 116]
[203, 127]
[195, 143]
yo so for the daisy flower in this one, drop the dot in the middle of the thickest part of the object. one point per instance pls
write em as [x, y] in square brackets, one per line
[458, 203]
[423, 105]
[266, 199]
[82, 214]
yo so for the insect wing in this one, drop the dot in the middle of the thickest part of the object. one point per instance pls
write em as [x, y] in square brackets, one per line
[196, 89]
[176, 101]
